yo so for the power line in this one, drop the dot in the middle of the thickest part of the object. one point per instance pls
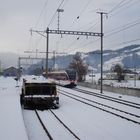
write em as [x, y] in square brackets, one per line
[52, 19]
[124, 28]
[45, 5]
[83, 10]
[117, 6]
[126, 4]
[126, 42]
[120, 29]
[128, 24]
[37, 22]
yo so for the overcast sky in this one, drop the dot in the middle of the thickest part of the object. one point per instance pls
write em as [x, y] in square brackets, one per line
[17, 17]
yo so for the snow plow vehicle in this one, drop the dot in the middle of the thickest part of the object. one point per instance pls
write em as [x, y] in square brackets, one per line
[39, 95]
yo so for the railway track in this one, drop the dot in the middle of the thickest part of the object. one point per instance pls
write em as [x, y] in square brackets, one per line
[117, 100]
[44, 127]
[50, 136]
[106, 108]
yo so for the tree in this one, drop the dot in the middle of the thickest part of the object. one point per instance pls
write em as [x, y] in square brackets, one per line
[80, 67]
[119, 70]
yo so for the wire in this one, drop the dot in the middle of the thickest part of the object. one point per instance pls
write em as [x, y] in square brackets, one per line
[45, 5]
[117, 30]
[126, 42]
[124, 28]
[52, 19]
[83, 10]
[60, 38]
[117, 6]
[127, 4]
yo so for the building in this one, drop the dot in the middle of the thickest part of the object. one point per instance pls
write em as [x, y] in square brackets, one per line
[127, 76]
[111, 76]
[132, 76]
[11, 71]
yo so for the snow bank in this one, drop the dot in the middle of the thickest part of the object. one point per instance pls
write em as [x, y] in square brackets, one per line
[11, 120]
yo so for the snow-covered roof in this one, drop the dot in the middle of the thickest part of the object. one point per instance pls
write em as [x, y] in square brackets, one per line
[37, 79]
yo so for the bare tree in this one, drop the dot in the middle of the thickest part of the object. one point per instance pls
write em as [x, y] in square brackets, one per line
[119, 70]
[80, 67]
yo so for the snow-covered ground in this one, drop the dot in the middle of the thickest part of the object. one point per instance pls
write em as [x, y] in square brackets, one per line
[87, 122]
[11, 120]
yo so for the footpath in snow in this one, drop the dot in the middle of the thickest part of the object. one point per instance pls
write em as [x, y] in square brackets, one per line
[11, 119]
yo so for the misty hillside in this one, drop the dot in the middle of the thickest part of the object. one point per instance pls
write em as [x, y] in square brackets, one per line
[129, 56]
[8, 59]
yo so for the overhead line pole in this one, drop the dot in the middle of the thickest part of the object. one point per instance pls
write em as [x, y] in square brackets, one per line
[47, 48]
[76, 33]
[48, 31]
[69, 32]
[101, 13]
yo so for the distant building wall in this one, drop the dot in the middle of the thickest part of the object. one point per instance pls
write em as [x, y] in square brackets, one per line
[12, 71]
[120, 90]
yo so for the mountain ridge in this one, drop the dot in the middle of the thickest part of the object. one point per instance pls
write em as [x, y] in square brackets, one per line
[129, 56]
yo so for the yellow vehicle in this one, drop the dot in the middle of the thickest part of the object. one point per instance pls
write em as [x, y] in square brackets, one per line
[39, 95]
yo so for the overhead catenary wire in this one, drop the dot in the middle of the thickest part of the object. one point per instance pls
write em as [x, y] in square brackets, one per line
[120, 29]
[80, 14]
[37, 22]
[45, 5]
[83, 10]
[116, 6]
[126, 42]
[126, 5]
[113, 9]
[52, 19]
[123, 29]
[121, 4]
[60, 37]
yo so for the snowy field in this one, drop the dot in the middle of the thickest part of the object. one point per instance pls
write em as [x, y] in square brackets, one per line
[115, 83]
[87, 122]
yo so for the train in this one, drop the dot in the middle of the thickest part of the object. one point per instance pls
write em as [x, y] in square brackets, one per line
[38, 94]
[66, 78]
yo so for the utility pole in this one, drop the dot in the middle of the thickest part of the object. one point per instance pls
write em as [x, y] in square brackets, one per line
[53, 52]
[66, 32]
[19, 68]
[47, 48]
[54, 56]
[60, 32]
[26, 58]
[54, 59]
[101, 13]
[134, 62]
[0, 66]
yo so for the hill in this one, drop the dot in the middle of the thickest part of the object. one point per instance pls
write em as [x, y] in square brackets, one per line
[8, 59]
[129, 56]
